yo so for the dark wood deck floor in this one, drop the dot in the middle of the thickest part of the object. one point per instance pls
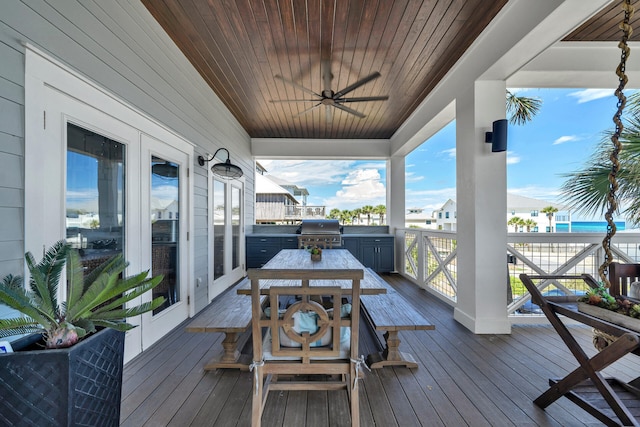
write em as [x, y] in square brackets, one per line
[463, 379]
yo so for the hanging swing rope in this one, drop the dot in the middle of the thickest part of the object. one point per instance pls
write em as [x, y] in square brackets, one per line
[625, 26]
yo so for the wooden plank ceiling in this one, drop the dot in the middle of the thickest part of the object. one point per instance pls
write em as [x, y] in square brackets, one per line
[257, 54]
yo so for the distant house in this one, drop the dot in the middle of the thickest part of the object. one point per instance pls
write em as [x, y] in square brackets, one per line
[417, 217]
[300, 193]
[274, 204]
[279, 201]
[525, 208]
[528, 208]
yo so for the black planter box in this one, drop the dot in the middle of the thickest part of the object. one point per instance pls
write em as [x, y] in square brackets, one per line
[77, 386]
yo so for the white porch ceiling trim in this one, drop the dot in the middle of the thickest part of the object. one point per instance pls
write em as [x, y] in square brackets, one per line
[290, 148]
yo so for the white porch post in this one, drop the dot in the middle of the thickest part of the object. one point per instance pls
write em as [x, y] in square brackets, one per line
[395, 202]
[482, 205]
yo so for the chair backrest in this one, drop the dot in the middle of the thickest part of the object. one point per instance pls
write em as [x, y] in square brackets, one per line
[621, 276]
[301, 328]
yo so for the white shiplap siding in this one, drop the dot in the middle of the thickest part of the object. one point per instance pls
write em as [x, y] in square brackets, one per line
[11, 155]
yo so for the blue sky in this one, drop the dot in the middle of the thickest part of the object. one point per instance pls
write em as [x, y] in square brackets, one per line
[558, 140]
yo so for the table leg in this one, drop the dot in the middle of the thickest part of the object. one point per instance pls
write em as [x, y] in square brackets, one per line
[391, 355]
[589, 369]
[231, 357]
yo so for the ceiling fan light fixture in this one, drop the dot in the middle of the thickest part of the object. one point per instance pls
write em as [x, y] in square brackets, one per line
[225, 169]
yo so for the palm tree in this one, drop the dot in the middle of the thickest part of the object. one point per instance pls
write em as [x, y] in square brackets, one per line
[355, 215]
[367, 210]
[522, 108]
[529, 223]
[334, 214]
[381, 210]
[516, 221]
[549, 211]
[346, 216]
[586, 190]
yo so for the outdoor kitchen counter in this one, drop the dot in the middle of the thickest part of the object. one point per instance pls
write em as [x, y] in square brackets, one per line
[373, 250]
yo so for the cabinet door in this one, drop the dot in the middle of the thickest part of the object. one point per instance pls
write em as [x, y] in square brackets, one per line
[289, 243]
[351, 244]
[369, 255]
[385, 257]
[260, 250]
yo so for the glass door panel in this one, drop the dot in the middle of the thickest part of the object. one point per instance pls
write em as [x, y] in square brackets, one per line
[227, 231]
[95, 191]
[165, 229]
[219, 222]
[236, 223]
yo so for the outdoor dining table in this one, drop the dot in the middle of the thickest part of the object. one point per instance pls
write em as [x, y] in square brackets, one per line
[332, 259]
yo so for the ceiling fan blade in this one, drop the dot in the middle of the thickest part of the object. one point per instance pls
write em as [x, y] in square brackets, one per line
[307, 110]
[292, 100]
[327, 114]
[292, 83]
[356, 85]
[349, 110]
[363, 99]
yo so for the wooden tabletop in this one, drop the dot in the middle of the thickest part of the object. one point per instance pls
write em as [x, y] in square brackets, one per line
[332, 259]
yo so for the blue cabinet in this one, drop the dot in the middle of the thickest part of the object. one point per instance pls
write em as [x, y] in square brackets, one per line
[375, 252]
[260, 249]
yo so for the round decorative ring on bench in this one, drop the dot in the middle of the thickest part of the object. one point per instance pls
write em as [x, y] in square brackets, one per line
[322, 321]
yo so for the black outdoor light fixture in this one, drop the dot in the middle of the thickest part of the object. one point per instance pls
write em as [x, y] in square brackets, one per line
[226, 169]
[497, 138]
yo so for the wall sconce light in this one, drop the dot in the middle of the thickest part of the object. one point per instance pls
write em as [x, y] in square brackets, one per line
[226, 169]
[497, 138]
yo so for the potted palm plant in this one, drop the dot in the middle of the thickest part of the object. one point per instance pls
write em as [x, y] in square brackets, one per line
[73, 376]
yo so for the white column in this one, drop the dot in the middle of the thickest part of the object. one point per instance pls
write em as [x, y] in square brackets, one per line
[395, 201]
[482, 204]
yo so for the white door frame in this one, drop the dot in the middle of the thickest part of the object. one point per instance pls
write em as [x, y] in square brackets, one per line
[231, 276]
[55, 94]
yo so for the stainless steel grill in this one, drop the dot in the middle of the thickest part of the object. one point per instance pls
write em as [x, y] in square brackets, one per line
[325, 231]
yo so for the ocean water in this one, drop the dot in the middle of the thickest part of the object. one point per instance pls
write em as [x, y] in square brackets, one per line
[588, 227]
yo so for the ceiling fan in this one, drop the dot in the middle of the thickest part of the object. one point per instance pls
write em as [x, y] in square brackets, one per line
[329, 98]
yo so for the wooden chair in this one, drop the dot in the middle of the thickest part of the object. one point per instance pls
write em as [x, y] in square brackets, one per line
[287, 350]
[621, 276]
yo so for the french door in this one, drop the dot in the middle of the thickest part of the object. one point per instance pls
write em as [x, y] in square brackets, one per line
[227, 234]
[164, 231]
[108, 180]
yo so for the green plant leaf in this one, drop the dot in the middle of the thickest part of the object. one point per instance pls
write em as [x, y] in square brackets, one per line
[17, 297]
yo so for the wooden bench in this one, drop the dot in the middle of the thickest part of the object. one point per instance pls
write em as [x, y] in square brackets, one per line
[230, 314]
[391, 313]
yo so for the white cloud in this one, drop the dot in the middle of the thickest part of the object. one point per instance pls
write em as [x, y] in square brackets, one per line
[512, 158]
[451, 153]
[429, 200]
[307, 172]
[587, 95]
[360, 187]
[412, 177]
[565, 138]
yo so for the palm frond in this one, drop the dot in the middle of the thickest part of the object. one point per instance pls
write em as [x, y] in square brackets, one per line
[13, 295]
[586, 190]
[132, 289]
[45, 276]
[522, 109]
[19, 325]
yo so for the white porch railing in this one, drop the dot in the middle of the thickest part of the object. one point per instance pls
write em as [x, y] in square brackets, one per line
[430, 260]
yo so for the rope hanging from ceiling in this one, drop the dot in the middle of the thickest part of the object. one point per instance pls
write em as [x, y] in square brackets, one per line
[612, 203]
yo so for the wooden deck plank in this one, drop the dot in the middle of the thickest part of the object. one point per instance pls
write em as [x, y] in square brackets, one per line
[462, 379]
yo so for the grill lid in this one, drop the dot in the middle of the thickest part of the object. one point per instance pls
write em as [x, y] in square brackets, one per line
[320, 226]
